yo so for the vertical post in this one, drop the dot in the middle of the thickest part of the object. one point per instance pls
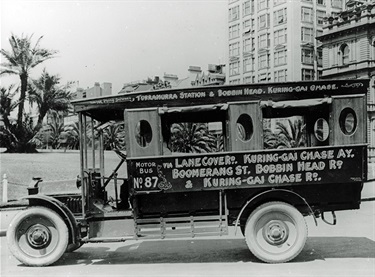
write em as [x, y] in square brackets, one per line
[101, 153]
[82, 162]
[315, 54]
[93, 142]
[5, 189]
[84, 130]
[116, 192]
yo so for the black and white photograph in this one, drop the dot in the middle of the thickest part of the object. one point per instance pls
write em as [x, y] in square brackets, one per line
[187, 138]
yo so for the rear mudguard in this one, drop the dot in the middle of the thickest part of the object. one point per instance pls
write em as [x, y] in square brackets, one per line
[269, 194]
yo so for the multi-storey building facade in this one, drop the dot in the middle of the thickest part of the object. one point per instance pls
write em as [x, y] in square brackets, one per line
[349, 52]
[274, 40]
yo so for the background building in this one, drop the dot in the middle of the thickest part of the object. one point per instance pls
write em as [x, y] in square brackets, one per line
[196, 77]
[274, 40]
[105, 89]
[348, 44]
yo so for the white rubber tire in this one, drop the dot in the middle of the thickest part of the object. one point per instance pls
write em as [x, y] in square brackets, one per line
[276, 232]
[37, 236]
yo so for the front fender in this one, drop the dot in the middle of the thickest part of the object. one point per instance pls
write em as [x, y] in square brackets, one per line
[60, 208]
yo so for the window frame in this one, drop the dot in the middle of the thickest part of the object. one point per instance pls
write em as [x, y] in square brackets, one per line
[281, 13]
[280, 57]
[305, 34]
[307, 14]
[280, 33]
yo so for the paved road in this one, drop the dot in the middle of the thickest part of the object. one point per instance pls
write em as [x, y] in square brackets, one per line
[347, 249]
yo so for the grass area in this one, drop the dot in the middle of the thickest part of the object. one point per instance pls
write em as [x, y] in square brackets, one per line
[58, 170]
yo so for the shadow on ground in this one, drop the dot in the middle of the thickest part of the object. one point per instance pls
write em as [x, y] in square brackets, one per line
[213, 251]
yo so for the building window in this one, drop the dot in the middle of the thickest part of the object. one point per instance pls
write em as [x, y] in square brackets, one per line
[264, 40]
[320, 17]
[307, 34]
[307, 74]
[264, 61]
[248, 45]
[280, 75]
[321, 2]
[320, 57]
[247, 25]
[248, 64]
[264, 21]
[234, 82]
[344, 52]
[248, 79]
[280, 37]
[263, 4]
[264, 77]
[278, 2]
[246, 6]
[234, 31]
[337, 3]
[234, 68]
[280, 57]
[307, 56]
[234, 49]
[279, 17]
[234, 13]
[307, 14]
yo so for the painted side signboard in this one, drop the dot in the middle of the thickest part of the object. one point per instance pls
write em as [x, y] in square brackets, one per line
[249, 169]
[222, 94]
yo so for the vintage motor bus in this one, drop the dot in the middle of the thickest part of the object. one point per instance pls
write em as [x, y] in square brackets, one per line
[259, 157]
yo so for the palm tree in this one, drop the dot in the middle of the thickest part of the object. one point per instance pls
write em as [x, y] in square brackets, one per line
[72, 132]
[271, 140]
[6, 103]
[50, 134]
[19, 140]
[191, 138]
[19, 61]
[217, 142]
[56, 128]
[48, 96]
[291, 135]
[114, 137]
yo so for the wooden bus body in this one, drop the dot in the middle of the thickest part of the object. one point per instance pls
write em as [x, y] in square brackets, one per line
[259, 157]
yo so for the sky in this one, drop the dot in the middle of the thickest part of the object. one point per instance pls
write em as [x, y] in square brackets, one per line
[119, 41]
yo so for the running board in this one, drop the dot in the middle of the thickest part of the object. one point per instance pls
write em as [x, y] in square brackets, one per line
[108, 239]
[176, 227]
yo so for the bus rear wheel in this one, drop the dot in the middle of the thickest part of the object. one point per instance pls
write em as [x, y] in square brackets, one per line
[276, 232]
[37, 236]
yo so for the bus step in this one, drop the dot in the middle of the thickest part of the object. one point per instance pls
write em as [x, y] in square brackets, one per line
[180, 227]
[108, 239]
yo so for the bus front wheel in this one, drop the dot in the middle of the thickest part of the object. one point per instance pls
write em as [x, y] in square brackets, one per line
[37, 236]
[276, 232]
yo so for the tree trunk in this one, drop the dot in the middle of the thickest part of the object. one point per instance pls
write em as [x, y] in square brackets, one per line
[39, 124]
[21, 104]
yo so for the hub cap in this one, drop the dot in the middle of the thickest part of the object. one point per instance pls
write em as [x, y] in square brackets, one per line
[275, 232]
[38, 236]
